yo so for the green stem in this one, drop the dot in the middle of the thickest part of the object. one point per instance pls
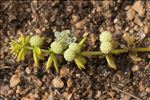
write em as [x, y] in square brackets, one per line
[140, 50]
[46, 51]
[81, 43]
[133, 50]
[30, 48]
[43, 50]
[91, 53]
[118, 51]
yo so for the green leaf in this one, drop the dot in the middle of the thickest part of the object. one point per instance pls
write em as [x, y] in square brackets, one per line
[13, 43]
[55, 63]
[110, 61]
[22, 39]
[37, 50]
[49, 62]
[26, 51]
[79, 63]
[27, 39]
[81, 43]
[35, 58]
[21, 55]
[82, 59]
[38, 53]
[41, 57]
[15, 47]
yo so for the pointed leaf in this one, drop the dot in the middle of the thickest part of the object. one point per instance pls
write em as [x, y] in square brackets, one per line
[55, 63]
[15, 48]
[37, 50]
[13, 43]
[22, 39]
[21, 55]
[80, 64]
[110, 61]
[81, 43]
[82, 59]
[35, 58]
[49, 62]
[41, 57]
[27, 39]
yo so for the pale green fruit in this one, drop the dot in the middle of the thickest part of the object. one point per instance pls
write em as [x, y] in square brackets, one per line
[69, 55]
[57, 47]
[36, 41]
[75, 47]
[106, 47]
[105, 36]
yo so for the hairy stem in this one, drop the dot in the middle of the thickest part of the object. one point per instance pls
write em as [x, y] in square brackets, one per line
[94, 53]
[46, 51]
[117, 51]
[140, 50]
[133, 50]
[91, 53]
[43, 50]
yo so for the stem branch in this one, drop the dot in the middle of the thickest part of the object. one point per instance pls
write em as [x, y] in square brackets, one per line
[140, 50]
[117, 51]
[46, 51]
[43, 50]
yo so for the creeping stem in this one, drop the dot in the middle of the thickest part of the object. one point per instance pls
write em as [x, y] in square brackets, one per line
[117, 51]
[43, 50]
[91, 53]
[140, 50]
[133, 50]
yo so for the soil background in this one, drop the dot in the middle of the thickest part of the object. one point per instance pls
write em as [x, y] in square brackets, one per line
[21, 80]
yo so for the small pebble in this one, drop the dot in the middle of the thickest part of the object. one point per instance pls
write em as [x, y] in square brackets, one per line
[18, 90]
[98, 94]
[67, 96]
[147, 90]
[135, 68]
[64, 71]
[75, 18]
[57, 82]
[15, 80]
[141, 86]
[37, 81]
[80, 24]
[28, 71]
[115, 20]
[38, 31]
[69, 83]
[138, 21]
[146, 29]
[4, 90]
[138, 7]
[130, 14]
